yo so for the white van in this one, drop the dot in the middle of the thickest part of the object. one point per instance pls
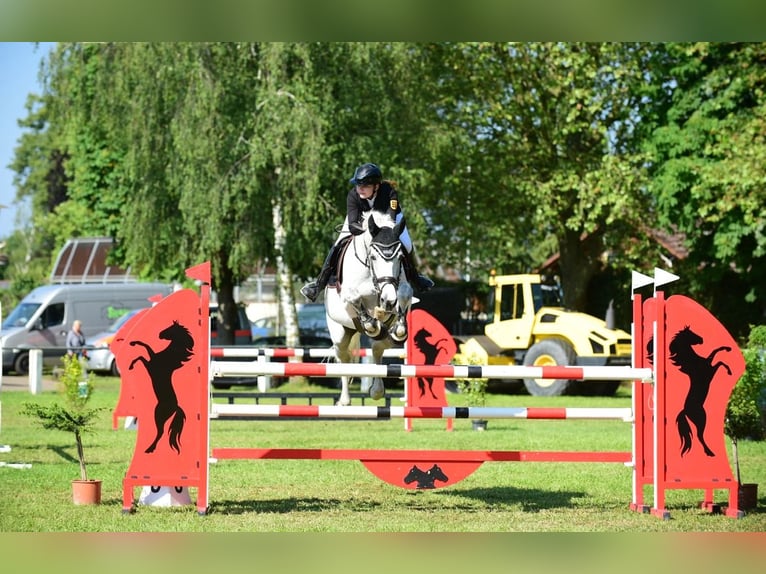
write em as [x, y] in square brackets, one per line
[45, 316]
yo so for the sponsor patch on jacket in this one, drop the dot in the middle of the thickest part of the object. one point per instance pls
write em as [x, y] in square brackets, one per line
[394, 204]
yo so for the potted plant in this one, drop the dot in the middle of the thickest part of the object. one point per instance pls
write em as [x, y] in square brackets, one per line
[474, 391]
[743, 415]
[75, 417]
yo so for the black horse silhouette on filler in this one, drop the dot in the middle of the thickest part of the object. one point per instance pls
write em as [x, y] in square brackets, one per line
[700, 371]
[425, 478]
[161, 365]
[430, 352]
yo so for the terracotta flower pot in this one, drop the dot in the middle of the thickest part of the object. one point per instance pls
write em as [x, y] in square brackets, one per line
[86, 491]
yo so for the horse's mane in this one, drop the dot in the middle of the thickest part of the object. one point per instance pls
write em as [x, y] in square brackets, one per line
[382, 219]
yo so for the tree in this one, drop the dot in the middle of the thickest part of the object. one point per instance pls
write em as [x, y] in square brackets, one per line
[554, 162]
[708, 167]
[156, 135]
[178, 150]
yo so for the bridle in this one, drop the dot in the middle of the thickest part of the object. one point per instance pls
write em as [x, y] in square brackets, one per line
[388, 252]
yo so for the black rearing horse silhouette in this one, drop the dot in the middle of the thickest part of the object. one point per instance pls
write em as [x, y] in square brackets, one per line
[700, 371]
[161, 365]
[430, 352]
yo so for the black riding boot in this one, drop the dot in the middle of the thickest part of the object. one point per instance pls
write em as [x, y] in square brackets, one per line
[311, 290]
[420, 282]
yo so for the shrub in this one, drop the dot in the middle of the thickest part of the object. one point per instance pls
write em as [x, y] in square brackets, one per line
[72, 416]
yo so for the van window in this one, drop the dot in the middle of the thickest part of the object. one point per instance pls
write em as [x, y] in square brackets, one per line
[21, 315]
[53, 315]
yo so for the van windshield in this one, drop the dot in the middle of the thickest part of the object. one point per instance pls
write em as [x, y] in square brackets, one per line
[21, 315]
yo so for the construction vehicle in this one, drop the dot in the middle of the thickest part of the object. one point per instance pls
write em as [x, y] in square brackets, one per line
[528, 325]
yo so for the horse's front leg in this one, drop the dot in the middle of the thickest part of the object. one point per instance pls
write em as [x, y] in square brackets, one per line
[378, 388]
[721, 364]
[404, 300]
[145, 346]
[398, 331]
[354, 298]
[137, 359]
[715, 351]
[370, 324]
[343, 354]
[345, 397]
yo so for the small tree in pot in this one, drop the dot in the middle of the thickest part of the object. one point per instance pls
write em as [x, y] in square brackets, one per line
[72, 416]
[474, 391]
[743, 414]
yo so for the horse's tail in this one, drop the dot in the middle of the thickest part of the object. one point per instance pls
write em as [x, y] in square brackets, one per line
[176, 427]
[684, 432]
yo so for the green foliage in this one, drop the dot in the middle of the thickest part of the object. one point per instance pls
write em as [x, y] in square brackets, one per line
[708, 164]
[72, 416]
[505, 154]
[744, 416]
[473, 391]
[24, 274]
[743, 413]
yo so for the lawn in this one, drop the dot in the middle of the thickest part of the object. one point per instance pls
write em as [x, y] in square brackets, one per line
[342, 496]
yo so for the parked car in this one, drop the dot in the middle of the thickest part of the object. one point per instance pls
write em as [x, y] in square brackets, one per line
[100, 357]
[312, 320]
[263, 327]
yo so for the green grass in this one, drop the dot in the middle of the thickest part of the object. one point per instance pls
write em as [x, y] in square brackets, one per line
[342, 496]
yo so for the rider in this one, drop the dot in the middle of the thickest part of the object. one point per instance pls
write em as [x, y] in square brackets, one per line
[370, 191]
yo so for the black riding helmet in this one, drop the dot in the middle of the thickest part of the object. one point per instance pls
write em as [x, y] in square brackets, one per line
[366, 174]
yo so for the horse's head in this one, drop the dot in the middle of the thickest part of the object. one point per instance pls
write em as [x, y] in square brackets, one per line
[414, 474]
[437, 473]
[385, 257]
[422, 335]
[683, 341]
[179, 338]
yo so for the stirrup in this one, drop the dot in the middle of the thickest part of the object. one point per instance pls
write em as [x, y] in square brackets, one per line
[310, 291]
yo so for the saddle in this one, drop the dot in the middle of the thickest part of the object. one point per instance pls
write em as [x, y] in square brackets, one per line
[336, 278]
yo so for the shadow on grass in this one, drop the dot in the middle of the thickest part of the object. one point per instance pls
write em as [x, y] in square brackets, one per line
[463, 500]
[63, 452]
[286, 505]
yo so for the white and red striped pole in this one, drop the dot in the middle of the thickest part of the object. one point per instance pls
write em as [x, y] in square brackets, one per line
[352, 412]
[245, 352]
[608, 373]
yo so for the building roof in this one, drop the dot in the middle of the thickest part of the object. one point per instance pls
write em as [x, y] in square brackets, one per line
[83, 260]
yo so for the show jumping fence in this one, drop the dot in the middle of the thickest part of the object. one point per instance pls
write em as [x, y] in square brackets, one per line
[651, 459]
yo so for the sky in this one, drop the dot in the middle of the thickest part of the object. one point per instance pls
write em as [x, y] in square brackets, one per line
[19, 66]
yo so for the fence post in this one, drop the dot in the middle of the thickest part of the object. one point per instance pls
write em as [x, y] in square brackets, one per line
[365, 382]
[35, 371]
[264, 381]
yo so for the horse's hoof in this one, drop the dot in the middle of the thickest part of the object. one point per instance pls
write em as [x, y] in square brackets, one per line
[372, 329]
[399, 335]
[377, 390]
[343, 402]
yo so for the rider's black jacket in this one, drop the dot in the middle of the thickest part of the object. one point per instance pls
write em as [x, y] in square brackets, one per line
[386, 200]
